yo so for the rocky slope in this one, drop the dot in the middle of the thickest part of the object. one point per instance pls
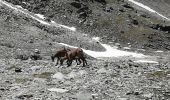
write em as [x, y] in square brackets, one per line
[112, 20]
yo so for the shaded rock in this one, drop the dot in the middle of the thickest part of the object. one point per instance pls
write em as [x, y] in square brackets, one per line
[145, 16]
[101, 1]
[135, 22]
[18, 70]
[22, 57]
[128, 6]
[121, 10]
[36, 55]
[83, 9]
[95, 96]
[83, 15]
[25, 96]
[76, 4]
[160, 27]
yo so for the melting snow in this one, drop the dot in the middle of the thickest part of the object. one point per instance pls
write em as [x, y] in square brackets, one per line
[110, 52]
[159, 51]
[146, 61]
[24, 12]
[40, 16]
[64, 26]
[58, 90]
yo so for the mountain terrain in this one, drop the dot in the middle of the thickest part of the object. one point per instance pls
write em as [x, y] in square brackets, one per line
[118, 23]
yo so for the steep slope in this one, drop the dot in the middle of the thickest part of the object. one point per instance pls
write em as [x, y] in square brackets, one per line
[112, 20]
[22, 34]
[162, 6]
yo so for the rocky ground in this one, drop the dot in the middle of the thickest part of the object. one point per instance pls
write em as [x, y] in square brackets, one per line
[102, 79]
[108, 79]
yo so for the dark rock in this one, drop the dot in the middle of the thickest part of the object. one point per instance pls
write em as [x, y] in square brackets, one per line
[18, 70]
[101, 1]
[144, 15]
[76, 4]
[2, 89]
[160, 27]
[83, 15]
[121, 10]
[128, 6]
[36, 57]
[136, 93]
[135, 22]
[22, 57]
[25, 96]
[83, 9]
[108, 9]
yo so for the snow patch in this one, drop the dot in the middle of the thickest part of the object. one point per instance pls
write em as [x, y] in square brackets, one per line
[110, 52]
[58, 90]
[159, 51]
[96, 38]
[146, 61]
[40, 16]
[64, 26]
[24, 12]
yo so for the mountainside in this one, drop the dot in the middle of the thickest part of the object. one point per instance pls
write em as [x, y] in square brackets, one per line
[112, 20]
[162, 6]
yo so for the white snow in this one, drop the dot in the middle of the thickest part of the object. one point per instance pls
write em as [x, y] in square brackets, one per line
[24, 12]
[64, 26]
[146, 61]
[110, 52]
[96, 38]
[58, 90]
[148, 8]
[40, 16]
[159, 51]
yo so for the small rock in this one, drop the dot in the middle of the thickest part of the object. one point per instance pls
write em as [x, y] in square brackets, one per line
[76, 4]
[25, 96]
[130, 92]
[58, 76]
[35, 68]
[72, 74]
[15, 88]
[82, 72]
[148, 95]
[136, 93]
[123, 99]
[95, 96]
[58, 90]
[18, 70]
[102, 70]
